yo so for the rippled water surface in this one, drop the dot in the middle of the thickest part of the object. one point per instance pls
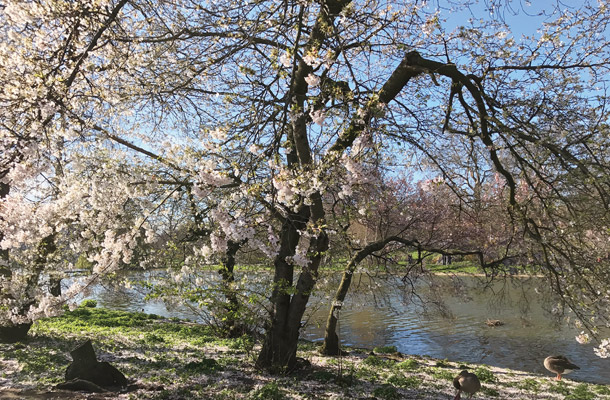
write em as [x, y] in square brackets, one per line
[380, 316]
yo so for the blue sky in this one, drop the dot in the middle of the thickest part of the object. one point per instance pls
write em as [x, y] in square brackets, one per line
[522, 17]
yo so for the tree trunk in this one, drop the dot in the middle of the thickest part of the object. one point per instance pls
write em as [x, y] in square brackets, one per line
[55, 286]
[46, 247]
[231, 307]
[9, 332]
[278, 353]
[331, 347]
[331, 340]
[5, 271]
[279, 350]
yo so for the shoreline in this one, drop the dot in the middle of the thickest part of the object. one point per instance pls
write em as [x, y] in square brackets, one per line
[166, 359]
[391, 376]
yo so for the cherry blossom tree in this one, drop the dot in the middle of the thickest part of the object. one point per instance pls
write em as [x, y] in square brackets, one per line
[116, 107]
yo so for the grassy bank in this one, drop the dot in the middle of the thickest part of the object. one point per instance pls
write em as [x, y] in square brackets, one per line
[171, 359]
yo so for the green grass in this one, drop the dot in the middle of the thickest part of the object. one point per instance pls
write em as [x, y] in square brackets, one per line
[323, 376]
[559, 387]
[385, 349]
[402, 381]
[601, 389]
[485, 375]
[441, 374]
[270, 391]
[581, 392]
[48, 364]
[443, 363]
[378, 362]
[529, 384]
[465, 267]
[204, 366]
[103, 324]
[408, 365]
[158, 351]
[387, 392]
[491, 392]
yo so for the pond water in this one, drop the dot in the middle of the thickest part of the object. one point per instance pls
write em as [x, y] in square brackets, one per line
[382, 313]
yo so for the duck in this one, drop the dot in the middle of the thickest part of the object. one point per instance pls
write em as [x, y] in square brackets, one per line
[466, 382]
[559, 365]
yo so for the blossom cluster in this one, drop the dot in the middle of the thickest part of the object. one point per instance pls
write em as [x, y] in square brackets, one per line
[603, 350]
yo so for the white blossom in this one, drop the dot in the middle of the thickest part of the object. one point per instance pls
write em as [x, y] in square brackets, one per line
[312, 80]
[603, 350]
[318, 116]
[312, 60]
[583, 338]
[286, 60]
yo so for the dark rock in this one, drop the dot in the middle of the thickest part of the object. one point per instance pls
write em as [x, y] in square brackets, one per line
[14, 333]
[86, 367]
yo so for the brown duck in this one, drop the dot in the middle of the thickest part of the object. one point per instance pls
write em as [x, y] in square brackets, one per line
[559, 365]
[466, 382]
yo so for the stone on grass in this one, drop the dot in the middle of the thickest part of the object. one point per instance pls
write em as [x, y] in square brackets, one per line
[86, 367]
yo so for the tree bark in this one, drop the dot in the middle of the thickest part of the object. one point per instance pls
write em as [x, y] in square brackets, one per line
[55, 286]
[5, 271]
[231, 307]
[278, 353]
[9, 332]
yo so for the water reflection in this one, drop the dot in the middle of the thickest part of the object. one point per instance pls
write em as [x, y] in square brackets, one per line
[528, 334]
[375, 314]
[118, 297]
